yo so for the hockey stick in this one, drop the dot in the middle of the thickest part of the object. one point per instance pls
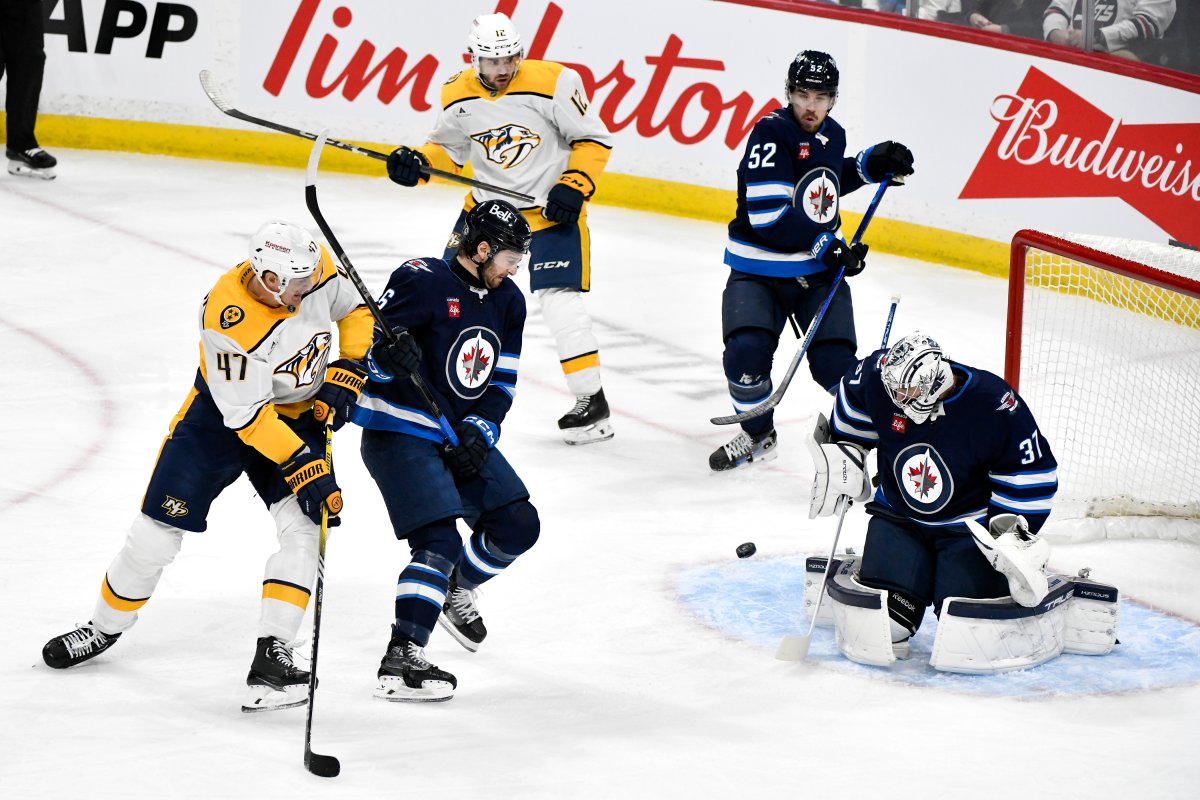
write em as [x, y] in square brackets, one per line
[795, 648]
[314, 208]
[887, 329]
[218, 99]
[772, 401]
[317, 764]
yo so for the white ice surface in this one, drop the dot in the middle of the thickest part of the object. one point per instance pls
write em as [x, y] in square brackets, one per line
[596, 681]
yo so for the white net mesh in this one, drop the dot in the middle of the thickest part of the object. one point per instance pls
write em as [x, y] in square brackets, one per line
[1110, 366]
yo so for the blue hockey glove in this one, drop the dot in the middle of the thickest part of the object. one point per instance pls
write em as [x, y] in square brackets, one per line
[565, 199]
[344, 380]
[836, 254]
[885, 158]
[397, 358]
[406, 166]
[308, 476]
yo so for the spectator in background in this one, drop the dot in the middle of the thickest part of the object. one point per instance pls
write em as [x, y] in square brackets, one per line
[940, 10]
[1017, 17]
[23, 54]
[1125, 28]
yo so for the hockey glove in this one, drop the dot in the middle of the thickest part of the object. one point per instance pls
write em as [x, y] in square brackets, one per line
[885, 158]
[307, 475]
[395, 358]
[836, 254]
[565, 199]
[406, 166]
[343, 383]
[466, 460]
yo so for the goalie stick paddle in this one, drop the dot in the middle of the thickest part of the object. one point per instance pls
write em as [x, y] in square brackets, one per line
[314, 208]
[795, 648]
[317, 764]
[218, 99]
[772, 401]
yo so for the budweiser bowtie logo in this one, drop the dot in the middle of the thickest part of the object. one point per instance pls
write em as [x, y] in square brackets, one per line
[1050, 142]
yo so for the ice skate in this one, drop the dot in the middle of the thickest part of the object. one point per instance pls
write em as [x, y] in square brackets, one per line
[744, 449]
[406, 677]
[588, 421]
[274, 682]
[32, 163]
[78, 646]
[461, 618]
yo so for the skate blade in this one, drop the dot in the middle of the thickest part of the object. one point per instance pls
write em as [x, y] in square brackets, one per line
[26, 171]
[268, 698]
[458, 636]
[395, 690]
[599, 432]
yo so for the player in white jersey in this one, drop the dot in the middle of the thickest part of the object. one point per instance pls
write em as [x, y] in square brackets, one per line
[527, 125]
[1125, 28]
[258, 405]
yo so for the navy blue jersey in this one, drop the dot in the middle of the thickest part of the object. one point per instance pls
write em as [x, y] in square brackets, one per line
[984, 456]
[790, 185]
[470, 341]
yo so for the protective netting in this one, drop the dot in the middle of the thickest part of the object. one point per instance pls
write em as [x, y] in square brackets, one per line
[1110, 366]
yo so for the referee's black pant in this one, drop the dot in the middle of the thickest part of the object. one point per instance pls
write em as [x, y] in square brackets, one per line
[23, 56]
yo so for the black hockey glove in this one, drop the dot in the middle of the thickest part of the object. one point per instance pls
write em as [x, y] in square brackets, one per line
[887, 158]
[563, 204]
[466, 460]
[397, 358]
[307, 475]
[405, 165]
[344, 381]
[836, 254]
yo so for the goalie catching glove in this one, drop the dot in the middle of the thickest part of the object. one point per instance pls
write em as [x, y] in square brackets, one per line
[840, 471]
[308, 476]
[1016, 553]
[344, 382]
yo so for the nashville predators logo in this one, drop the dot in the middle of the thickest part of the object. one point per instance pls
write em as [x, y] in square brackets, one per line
[507, 145]
[308, 364]
[175, 507]
[230, 316]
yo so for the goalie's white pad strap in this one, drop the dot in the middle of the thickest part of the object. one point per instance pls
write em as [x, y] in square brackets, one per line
[839, 470]
[1092, 619]
[1021, 561]
[860, 617]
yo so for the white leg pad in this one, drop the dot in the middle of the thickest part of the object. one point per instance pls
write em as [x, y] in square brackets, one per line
[571, 326]
[860, 618]
[289, 573]
[1092, 619]
[135, 572]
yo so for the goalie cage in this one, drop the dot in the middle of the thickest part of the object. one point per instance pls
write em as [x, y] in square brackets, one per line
[1103, 342]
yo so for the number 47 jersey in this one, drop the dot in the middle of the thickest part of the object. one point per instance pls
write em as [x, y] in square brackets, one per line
[982, 456]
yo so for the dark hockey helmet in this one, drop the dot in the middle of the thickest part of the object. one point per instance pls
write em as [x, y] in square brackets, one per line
[812, 69]
[498, 223]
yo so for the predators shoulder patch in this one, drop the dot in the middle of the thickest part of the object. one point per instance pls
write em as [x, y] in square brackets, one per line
[230, 316]
[452, 78]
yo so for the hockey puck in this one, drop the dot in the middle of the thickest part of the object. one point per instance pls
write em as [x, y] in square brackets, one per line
[746, 549]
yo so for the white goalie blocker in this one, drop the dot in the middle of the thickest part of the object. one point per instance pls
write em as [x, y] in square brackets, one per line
[839, 470]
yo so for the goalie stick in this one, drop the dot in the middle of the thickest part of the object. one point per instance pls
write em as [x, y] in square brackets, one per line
[772, 401]
[317, 764]
[795, 648]
[218, 99]
[314, 208]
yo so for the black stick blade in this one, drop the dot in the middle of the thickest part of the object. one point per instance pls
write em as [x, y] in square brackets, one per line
[322, 766]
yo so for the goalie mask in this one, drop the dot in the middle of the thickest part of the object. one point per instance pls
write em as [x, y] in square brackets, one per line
[916, 373]
[285, 249]
[493, 38]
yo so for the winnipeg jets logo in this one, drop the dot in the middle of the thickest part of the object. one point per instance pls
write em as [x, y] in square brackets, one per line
[924, 480]
[309, 362]
[818, 194]
[471, 361]
[507, 145]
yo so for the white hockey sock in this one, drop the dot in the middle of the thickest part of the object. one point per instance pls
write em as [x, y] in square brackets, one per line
[288, 577]
[133, 574]
[578, 350]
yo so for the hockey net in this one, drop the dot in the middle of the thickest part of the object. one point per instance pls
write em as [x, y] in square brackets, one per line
[1103, 343]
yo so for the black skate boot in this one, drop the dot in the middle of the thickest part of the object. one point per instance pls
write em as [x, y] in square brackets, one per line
[32, 163]
[588, 421]
[274, 682]
[460, 617]
[405, 676]
[744, 449]
[78, 646]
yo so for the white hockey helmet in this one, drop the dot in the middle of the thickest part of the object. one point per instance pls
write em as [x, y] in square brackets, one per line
[285, 249]
[493, 36]
[916, 373]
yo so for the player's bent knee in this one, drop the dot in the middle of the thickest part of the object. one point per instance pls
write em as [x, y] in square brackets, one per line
[440, 539]
[749, 350]
[829, 361]
[152, 543]
[291, 523]
[866, 633]
[515, 528]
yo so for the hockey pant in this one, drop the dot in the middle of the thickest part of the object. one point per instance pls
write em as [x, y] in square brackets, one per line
[437, 553]
[571, 327]
[152, 545]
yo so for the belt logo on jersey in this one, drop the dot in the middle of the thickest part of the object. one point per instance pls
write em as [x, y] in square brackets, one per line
[309, 363]
[454, 306]
[924, 480]
[471, 360]
[175, 507]
[507, 145]
[818, 194]
[230, 316]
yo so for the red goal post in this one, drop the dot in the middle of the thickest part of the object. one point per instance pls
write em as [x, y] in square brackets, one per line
[1103, 343]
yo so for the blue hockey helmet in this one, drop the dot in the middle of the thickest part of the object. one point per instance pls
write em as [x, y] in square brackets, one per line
[498, 223]
[813, 70]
